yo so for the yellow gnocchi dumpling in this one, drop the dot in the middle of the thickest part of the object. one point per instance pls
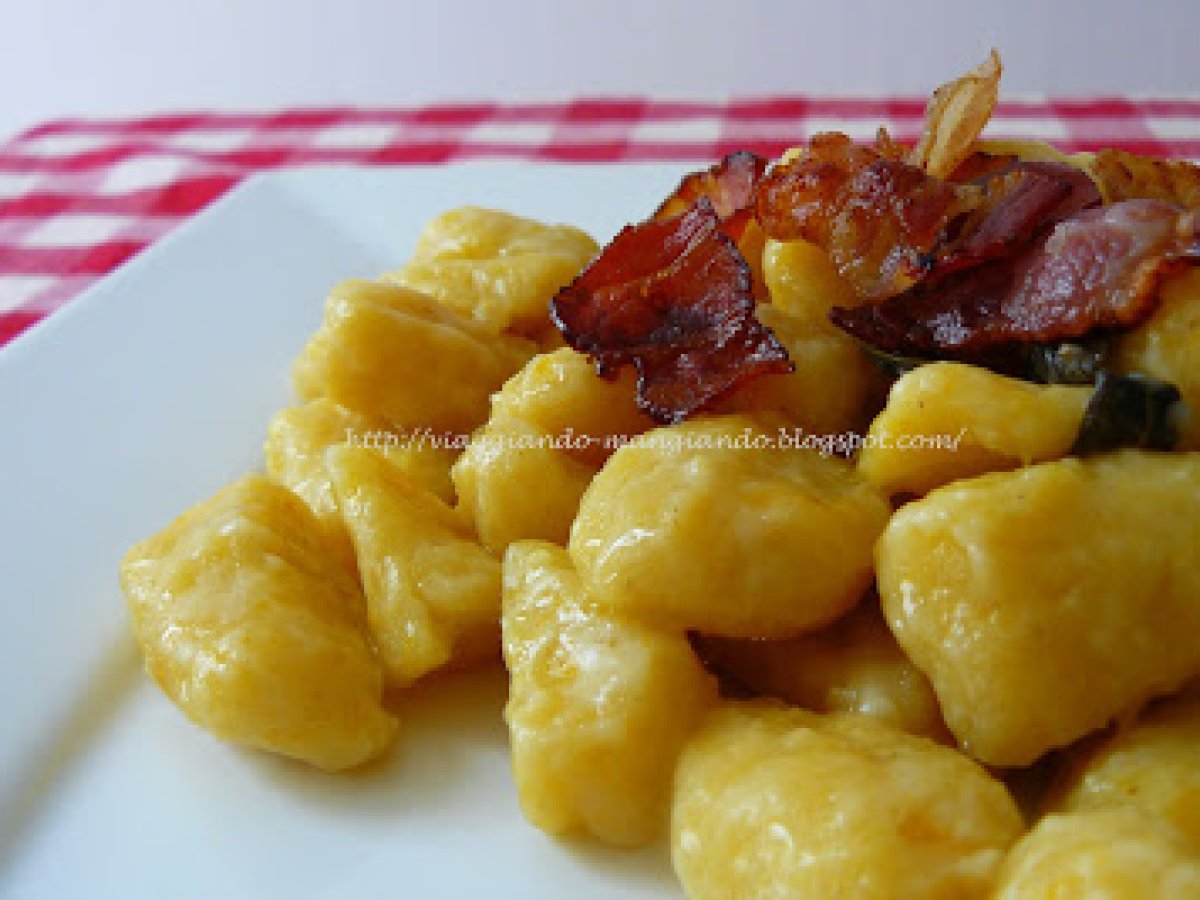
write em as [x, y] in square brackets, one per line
[514, 484]
[299, 436]
[854, 665]
[552, 425]
[835, 387]
[394, 353]
[1167, 346]
[1044, 602]
[560, 394]
[781, 803]
[433, 593]
[498, 269]
[598, 705]
[948, 421]
[1110, 854]
[805, 284]
[833, 390]
[257, 631]
[710, 525]
[1153, 765]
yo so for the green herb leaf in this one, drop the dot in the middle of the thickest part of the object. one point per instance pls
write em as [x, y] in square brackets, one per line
[1128, 411]
[893, 364]
[1070, 363]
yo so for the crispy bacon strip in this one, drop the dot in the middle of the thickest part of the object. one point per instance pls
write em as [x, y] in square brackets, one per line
[956, 114]
[886, 224]
[877, 217]
[729, 185]
[674, 299]
[1018, 204]
[1100, 269]
[1127, 176]
[798, 199]
[981, 165]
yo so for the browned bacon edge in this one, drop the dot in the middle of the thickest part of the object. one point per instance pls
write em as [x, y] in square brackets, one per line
[1098, 270]
[674, 298]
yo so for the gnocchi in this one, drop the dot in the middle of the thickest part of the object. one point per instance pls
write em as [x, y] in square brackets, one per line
[1152, 764]
[834, 386]
[495, 268]
[1114, 854]
[395, 353]
[299, 436]
[1072, 581]
[1004, 576]
[599, 705]
[804, 284]
[256, 631]
[773, 802]
[687, 528]
[560, 394]
[552, 425]
[514, 484]
[996, 423]
[1166, 347]
[853, 665]
[432, 592]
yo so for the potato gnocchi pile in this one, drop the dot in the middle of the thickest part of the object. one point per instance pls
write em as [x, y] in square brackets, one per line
[920, 671]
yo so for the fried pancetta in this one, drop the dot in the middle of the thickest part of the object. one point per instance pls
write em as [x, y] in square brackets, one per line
[1097, 270]
[879, 218]
[729, 186]
[1128, 176]
[674, 298]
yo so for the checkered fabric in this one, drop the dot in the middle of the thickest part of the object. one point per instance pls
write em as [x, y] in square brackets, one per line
[79, 197]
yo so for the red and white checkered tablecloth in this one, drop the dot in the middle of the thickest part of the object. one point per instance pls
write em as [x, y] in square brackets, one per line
[79, 197]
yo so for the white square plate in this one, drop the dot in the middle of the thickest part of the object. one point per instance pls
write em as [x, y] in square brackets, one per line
[144, 397]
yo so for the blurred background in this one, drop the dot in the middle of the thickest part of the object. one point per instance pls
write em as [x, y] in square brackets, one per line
[113, 57]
